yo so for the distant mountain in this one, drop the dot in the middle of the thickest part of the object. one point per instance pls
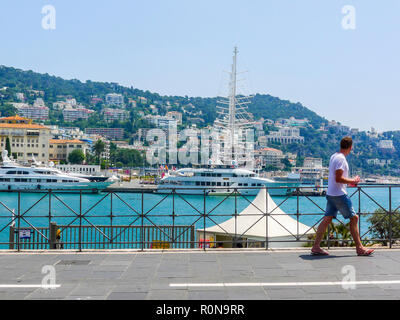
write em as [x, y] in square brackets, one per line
[264, 106]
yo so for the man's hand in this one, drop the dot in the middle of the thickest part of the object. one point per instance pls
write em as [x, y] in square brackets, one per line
[356, 180]
[351, 182]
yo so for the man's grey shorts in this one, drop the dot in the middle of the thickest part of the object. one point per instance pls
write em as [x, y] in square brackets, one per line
[339, 203]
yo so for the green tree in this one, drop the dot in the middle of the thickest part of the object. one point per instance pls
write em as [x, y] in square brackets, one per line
[7, 110]
[8, 146]
[99, 148]
[76, 157]
[381, 222]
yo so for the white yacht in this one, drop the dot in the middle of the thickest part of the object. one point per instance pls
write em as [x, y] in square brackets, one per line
[35, 178]
[220, 180]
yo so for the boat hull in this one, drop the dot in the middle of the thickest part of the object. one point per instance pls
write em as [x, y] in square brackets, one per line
[284, 191]
[91, 187]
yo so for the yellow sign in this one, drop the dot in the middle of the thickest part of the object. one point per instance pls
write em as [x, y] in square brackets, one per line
[160, 245]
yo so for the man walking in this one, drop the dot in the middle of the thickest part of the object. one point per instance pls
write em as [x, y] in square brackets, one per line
[338, 200]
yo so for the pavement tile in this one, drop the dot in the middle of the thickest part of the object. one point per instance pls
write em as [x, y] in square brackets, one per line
[288, 293]
[167, 295]
[330, 296]
[91, 290]
[85, 298]
[127, 296]
[208, 295]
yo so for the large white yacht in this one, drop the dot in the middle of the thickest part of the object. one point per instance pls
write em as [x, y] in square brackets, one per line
[220, 180]
[36, 178]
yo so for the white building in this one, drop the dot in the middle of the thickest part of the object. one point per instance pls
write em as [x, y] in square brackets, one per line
[379, 162]
[386, 145]
[114, 99]
[110, 114]
[79, 168]
[71, 114]
[312, 163]
[39, 102]
[162, 121]
[285, 136]
[175, 115]
[34, 112]
[20, 96]
[271, 156]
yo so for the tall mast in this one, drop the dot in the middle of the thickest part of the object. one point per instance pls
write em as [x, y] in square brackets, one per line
[233, 118]
[232, 103]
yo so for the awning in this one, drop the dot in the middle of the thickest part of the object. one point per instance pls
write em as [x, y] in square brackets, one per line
[251, 222]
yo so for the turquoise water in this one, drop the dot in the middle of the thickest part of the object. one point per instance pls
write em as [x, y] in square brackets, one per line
[159, 208]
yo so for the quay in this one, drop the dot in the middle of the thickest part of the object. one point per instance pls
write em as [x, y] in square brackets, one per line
[196, 275]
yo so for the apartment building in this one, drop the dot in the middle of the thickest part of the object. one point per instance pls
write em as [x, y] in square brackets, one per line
[285, 136]
[114, 99]
[34, 112]
[71, 114]
[110, 114]
[27, 139]
[59, 149]
[109, 133]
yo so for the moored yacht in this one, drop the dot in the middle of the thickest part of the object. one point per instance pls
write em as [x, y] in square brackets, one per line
[221, 180]
[36, 178]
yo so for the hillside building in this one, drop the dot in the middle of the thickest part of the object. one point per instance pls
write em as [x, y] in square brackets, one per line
[27, 139]
[60, 149]
[71, 114]
[115, 99]
[285, 136]
[109, 133]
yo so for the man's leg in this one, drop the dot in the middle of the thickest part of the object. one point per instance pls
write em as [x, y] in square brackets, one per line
[355, 233]
[320, 233]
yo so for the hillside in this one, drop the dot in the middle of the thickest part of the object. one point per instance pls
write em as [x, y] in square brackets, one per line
[317, 143]
[264, 106]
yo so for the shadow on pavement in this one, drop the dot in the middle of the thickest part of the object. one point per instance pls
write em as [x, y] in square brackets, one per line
[311, 257]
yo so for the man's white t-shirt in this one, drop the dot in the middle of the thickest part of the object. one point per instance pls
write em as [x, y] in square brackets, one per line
[338, 162]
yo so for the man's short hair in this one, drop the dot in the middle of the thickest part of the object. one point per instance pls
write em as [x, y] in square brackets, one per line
[346, 143]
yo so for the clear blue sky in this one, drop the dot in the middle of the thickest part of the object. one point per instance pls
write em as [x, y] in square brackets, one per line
[295, 50]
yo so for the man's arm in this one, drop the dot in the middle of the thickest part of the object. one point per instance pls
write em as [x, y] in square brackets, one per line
[341, 179]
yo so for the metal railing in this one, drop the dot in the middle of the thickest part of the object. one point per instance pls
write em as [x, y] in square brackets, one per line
[53, 219]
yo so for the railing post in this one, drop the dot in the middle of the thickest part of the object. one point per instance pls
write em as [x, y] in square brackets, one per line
[204, 219]
[111, 220]
[142, 228]
[19, 219]
[298, 213]
[266, 219]
[192, 238]
[173, 219]
[50, 216]
[359, 210]
[53, 235]
[12, 236]
[80, 221]
[235, 239]
[390, 217]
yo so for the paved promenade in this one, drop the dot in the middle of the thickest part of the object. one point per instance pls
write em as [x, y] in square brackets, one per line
[202, 275]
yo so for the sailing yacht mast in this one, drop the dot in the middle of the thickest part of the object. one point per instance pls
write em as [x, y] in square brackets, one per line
[233, 118]
[232, 103]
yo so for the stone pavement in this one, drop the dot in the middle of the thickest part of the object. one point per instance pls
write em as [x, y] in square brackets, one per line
[148, 275]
